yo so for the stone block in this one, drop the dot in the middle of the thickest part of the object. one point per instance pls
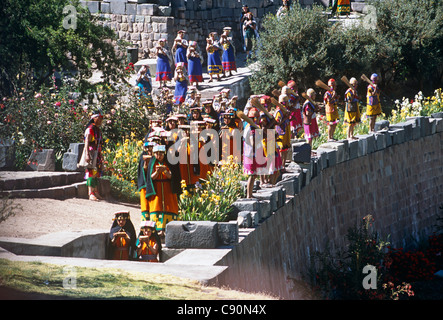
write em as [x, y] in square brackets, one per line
[288, 185]
[227, 233]
[340, 147]
[105, 7]
[244, 219]
[407, 127]
[131, 9]
[7, 154]
[43, 160]
[366, 144]
[147, 9]
[353, 149]
[380, 141]
[72, 157]
[117, 7]
[331, 156]
[245, 204]
[397, 135]
[294, 177]
[301, 152]
[437, 115]
[264, 194]
[265, 209]
[195, 234]
[379, 125]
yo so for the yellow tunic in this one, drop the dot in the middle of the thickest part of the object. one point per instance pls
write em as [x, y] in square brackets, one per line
[373, 101]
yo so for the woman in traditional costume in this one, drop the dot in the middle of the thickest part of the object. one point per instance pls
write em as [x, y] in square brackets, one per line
[148, 242]
[143, 162]
[93, 148]
[195, 70]
[228, 56]
[161, 190]
[295, 118]
[122, 236]
[253, 154]
[180, 47]
[181, 83]
[332, 117]
[164, 73]
[352, 110]
[283, 128]
[214, 63]
[373, 108]
[310, 118]
[144, 85]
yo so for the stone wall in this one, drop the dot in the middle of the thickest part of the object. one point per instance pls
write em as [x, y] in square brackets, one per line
[399, 181]
[143, 22]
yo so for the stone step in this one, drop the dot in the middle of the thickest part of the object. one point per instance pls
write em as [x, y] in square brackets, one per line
[73, 187]
[14, 180]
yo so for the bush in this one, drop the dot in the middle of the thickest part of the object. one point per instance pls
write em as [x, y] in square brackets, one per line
[48, 119]
[405, 48]
[211, 200]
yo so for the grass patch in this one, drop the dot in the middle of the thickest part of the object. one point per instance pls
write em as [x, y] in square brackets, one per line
[91, 283]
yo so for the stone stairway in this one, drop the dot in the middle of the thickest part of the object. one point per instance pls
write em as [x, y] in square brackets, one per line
[53, 185]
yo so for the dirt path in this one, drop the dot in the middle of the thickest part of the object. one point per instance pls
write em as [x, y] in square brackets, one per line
[38, 217]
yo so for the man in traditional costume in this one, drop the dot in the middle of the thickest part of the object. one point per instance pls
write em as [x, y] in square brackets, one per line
[93, 154]
[332, 117]
[352, 109]
[309, 117]
[373, 108]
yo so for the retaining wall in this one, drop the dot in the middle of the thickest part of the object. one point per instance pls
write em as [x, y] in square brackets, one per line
[399, 181]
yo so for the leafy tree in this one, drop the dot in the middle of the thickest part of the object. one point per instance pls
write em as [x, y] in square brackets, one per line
[38, 39]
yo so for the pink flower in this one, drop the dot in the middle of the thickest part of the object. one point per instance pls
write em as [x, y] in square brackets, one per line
[38, 95]
[58, 104]
[71, 102]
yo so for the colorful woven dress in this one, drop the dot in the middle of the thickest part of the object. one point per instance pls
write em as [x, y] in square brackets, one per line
[228, 57]
[343, 6]
[195, 71]
[162, 202]
[373, 101]
[214, 63]
[310, 121]
[352, 110]
[180, 53]
[163, 72]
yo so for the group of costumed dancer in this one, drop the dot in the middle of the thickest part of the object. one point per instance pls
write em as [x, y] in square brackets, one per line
[188, 60]
[160, 183]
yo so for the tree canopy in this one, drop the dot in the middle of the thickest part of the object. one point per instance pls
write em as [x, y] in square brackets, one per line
[38, 37]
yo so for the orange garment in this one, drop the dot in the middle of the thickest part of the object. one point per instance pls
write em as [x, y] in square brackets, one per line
[145, 251]
[121, 251]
